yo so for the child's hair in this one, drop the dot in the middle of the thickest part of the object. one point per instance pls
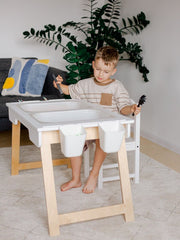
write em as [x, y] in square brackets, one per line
[108, 54]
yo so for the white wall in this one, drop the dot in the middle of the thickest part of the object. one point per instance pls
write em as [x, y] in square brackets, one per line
[20, 15]
[161, 51]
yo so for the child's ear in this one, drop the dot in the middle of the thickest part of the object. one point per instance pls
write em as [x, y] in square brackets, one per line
[93, 64]
[114, 71]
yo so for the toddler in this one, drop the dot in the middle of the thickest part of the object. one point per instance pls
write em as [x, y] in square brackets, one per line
[109, 93]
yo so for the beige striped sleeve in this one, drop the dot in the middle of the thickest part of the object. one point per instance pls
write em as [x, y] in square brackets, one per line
[122, 97]
[76, 90]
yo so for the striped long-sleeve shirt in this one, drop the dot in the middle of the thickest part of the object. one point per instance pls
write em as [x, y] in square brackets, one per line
[112, 96]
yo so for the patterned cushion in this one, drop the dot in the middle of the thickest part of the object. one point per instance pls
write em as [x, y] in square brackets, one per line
[26, 77]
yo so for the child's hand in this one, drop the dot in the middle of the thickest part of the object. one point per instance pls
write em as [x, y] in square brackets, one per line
[64, 88]
[130, 109]
[59, 81]
[135, 109]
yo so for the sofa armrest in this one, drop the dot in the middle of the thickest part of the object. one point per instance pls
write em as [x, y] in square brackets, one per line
[48, 88]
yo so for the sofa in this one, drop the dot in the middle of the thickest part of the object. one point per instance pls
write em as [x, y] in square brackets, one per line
[48, 92]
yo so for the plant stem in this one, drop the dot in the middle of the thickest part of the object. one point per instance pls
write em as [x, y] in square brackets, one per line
[121, 30]
[54, 42]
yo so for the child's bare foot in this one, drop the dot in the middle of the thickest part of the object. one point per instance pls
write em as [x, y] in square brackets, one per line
[71, 184]
[91, 184]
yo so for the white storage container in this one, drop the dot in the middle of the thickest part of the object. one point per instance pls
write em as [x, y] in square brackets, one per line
[111, 135]
[72, 140]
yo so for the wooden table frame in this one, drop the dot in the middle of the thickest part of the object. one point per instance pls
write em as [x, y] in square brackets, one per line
[54, 219]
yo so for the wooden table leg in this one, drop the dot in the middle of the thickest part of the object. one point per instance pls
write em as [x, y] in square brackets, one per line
[16, 165]
[16, 129]
[55, 220]
[49, 185]
[125, 182]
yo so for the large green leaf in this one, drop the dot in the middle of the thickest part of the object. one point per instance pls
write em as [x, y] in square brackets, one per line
[71, 58]
[26, 34]
[59, 38]
[32, 31]
[71, 47]
[72, 67]
[73, 74]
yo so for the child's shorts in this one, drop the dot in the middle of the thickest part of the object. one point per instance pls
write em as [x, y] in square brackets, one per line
[87, 144]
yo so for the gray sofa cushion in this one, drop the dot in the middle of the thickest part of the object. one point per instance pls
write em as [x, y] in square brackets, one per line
[3, 76]
[5, 64]
[5, 124]
[48, 85]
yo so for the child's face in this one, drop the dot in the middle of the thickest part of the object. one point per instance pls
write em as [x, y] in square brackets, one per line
[103, 72]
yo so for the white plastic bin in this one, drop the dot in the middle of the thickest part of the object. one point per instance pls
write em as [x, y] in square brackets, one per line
[72, 140]
[111, 135]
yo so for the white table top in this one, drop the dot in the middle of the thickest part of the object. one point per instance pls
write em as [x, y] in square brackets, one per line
[39, 116]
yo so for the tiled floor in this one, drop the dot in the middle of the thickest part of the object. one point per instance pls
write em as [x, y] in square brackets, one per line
[156, 200]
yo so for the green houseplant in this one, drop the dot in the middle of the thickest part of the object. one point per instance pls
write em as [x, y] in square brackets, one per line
[101, 26]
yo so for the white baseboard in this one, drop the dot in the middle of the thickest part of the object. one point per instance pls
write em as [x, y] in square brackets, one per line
[161, 142]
